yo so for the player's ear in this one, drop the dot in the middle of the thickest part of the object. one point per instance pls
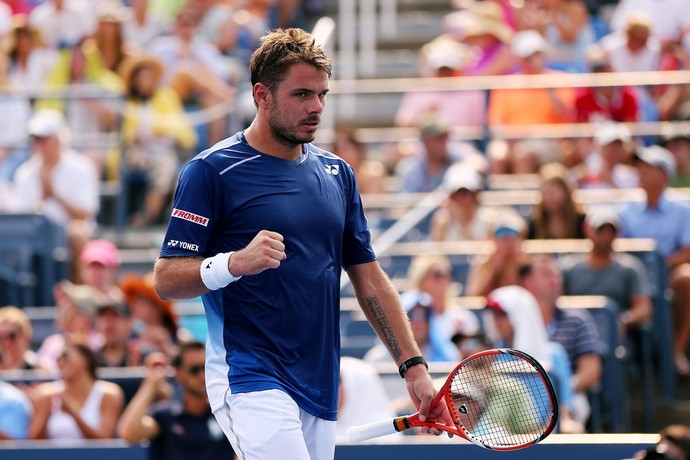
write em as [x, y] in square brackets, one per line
[262, 94]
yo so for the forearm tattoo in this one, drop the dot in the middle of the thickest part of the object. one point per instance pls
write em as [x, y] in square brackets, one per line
[380, 317]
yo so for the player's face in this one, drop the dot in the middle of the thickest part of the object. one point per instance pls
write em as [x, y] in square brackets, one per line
[297, 103]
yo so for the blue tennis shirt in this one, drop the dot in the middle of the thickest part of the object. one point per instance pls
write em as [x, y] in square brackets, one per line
[278, 329]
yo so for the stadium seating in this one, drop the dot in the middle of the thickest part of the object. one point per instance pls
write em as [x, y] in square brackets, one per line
[36, 250]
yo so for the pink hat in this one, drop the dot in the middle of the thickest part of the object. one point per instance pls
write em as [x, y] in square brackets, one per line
[101, 252]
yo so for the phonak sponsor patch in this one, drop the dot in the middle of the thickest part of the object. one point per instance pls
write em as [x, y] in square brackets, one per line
[190, 216]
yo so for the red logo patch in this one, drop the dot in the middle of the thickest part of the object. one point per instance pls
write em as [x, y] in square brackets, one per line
[191, 217]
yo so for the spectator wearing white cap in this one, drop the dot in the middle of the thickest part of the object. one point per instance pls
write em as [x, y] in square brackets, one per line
[461, 216]
[603, 271]
[668, 223]
[607, 166]
[58, 181]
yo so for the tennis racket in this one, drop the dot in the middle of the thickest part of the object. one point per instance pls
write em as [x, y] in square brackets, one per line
[499, 399]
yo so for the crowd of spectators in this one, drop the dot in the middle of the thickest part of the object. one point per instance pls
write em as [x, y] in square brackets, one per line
[165, 76]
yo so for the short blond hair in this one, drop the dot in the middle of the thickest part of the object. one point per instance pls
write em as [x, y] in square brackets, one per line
[420, 266]
[16, 317]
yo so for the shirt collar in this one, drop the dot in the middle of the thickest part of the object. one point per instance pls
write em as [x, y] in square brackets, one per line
[661, 205]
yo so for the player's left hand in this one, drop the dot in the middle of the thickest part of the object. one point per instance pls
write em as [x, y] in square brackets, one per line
[422, 392]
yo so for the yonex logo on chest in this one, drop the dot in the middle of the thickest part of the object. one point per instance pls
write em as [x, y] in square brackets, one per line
[332, 169]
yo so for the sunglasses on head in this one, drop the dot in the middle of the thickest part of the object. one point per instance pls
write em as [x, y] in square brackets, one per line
[196, 369]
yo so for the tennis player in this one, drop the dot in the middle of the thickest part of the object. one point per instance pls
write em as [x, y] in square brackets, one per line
[262, 223]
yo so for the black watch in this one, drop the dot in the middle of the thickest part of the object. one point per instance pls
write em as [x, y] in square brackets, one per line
[411, 362]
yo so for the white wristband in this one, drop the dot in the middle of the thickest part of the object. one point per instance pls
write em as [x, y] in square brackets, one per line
[215, 272]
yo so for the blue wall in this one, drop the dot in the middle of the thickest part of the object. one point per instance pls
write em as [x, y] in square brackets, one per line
[116, 450]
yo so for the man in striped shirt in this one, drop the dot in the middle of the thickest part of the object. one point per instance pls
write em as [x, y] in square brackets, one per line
[574, 329]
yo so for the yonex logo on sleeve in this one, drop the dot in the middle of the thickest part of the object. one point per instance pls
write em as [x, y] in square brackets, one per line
[332, 169]
[191, 217]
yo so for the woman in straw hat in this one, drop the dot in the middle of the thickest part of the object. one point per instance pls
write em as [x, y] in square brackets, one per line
[154, 129]
[490, 36]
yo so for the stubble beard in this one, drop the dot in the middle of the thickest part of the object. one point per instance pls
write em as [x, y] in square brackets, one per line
[287, 135]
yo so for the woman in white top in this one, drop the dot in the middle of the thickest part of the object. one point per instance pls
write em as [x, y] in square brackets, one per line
[79, 406]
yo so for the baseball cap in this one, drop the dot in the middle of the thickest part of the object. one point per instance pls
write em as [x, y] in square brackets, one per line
[116, 305]
[460, 176]
[432, 127]
[527, 42]
[658, 156]
[598, 217]
[46, 123]
[447, 57]
[611, 132]
[100, 252]
[86, 298]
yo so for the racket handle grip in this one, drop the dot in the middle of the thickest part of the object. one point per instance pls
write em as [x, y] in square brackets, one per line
[372, 430]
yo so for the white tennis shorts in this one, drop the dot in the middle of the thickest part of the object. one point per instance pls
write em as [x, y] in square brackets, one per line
[269, 425]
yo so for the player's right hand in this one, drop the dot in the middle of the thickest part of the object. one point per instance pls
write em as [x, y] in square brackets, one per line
[265, 251]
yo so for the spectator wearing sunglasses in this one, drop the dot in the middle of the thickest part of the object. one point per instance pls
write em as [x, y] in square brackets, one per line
[433, 274]
[177, 429]
[15, 340]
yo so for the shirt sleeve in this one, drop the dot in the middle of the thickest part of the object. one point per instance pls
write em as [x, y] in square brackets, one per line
[587, 340]
[685, 227]
[639, 280]
[357, 238]
[197, 209]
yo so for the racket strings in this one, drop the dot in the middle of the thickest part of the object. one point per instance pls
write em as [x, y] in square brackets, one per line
[501, 400]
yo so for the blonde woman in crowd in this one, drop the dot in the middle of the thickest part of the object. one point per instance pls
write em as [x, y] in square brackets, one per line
[432, 274]
[15, 340]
